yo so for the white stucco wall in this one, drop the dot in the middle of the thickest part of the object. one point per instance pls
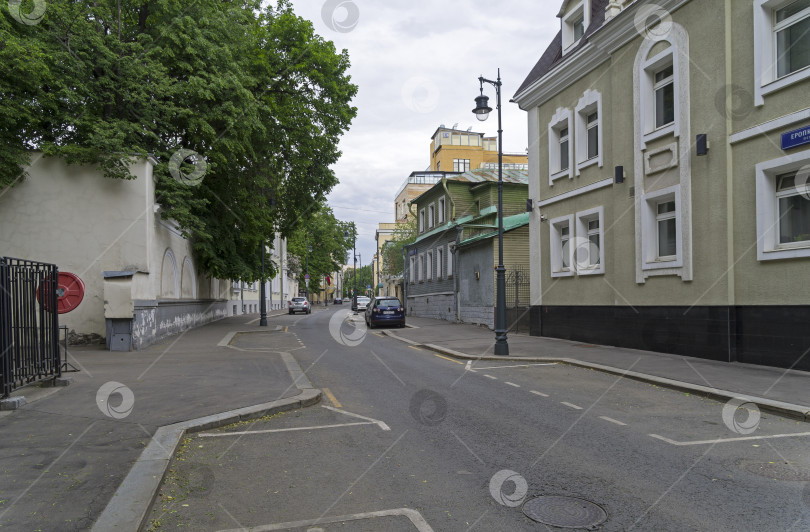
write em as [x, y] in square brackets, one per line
[86, 224]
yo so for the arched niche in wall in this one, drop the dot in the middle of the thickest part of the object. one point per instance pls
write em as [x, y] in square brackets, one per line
[188, 283]
[169, 280]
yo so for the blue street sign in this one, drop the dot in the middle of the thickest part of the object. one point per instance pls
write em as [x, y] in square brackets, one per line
[368, 287]
[797, 137]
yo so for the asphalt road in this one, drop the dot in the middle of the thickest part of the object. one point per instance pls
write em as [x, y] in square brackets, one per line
[442, 445]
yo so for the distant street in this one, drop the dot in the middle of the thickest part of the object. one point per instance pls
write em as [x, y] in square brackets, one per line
[403, 429]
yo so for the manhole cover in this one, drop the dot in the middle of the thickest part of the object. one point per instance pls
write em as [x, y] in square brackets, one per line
[564, 512]
[778, 471]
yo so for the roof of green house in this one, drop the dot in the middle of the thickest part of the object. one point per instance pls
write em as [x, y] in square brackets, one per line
[509, 223]
[482, 175]
[443, 228]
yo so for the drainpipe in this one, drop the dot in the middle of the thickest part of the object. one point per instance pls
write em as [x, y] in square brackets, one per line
[457, 273]
[730, 273]
[452, 203]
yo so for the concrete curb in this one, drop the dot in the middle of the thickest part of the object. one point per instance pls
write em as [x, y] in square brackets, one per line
[789, 410]
[131, 504]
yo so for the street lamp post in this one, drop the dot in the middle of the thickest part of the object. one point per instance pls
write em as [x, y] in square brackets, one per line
[481, 112]
[262, 295]
[306, 279]
[361, 271]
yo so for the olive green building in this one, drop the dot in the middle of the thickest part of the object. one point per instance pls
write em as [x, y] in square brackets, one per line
[668, 162]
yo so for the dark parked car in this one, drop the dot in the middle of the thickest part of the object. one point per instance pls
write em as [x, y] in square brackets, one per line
[299, 304]
[338, 301]
[385, 311]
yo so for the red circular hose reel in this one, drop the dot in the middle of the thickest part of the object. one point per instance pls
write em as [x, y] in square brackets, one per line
[69, 293]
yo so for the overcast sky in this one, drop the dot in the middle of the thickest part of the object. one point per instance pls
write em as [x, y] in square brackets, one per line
[416, 63]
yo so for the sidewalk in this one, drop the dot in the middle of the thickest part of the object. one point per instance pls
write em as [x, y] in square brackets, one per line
[67, 451]
[783, 391]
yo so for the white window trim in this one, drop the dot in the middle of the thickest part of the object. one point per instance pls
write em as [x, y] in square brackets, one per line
[767, 223]
[439, 263]
[562, 118]
[647, 107]
[679, 48]
[421, 220]
[431, 216]
[429, 265]
[412, 270]
[581, 239]
[441, 207]
[556, 249]
[765, 73]
[582, 9]
[449, 261]
[420, 262]
[649, 229]
[591, 101]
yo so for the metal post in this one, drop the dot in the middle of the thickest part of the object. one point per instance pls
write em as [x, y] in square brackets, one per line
[482, 110]
[306, 279]
[263, 296]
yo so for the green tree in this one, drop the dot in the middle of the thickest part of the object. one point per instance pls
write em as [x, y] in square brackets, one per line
[364, 278]
[392, 261]
[255, 92]
[329, 240]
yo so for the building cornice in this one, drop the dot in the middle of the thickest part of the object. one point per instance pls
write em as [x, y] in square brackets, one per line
[613, 34]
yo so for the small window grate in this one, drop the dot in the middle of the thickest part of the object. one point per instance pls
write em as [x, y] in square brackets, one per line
[632, 192]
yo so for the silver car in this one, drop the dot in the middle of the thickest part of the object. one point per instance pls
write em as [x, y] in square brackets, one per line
[362, 303]
[299, 304]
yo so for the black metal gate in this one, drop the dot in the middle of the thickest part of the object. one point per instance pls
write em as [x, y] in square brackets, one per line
[29, 323]
[518, 295]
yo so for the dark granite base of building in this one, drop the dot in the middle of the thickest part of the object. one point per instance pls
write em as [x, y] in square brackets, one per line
[776, 336]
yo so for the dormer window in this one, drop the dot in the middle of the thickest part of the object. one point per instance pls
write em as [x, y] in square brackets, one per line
[575, 20]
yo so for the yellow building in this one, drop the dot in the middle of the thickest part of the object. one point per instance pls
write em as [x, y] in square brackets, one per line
[452, 150]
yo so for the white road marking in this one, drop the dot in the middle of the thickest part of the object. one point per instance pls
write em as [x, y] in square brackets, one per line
[512, 384]
[610, 419]
[268, 431]
[225, 341]
[415, 517]
[520, 366]
[575, 407]
[375, 421]
[491, 377]
[541, 394]
[467, 367]
[724, 440]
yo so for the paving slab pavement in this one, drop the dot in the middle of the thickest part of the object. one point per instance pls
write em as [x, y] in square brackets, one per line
[773, 385]
[66, 452]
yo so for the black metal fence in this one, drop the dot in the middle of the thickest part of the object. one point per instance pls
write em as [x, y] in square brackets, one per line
[518, 298]
[29, 323]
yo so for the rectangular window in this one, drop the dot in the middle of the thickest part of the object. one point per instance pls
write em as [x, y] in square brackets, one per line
[429, 265]
[449, 261]
[592, 122]
[565, 238]
[666, 235]
[578, 26]
[441, 210]
[564, 163]
[593, 242]
[412, 270]
[421, 266]
[422, 220]
[561, 248]
[793, 210]
[792, 29]
[439, 262]
[461, 165]
[431, 215]
[664, 89]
